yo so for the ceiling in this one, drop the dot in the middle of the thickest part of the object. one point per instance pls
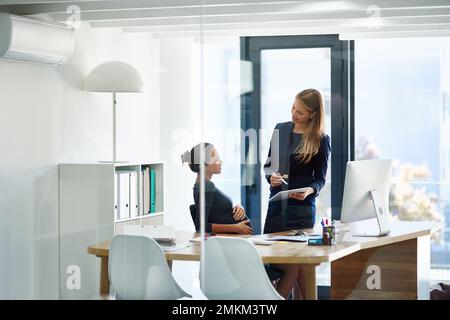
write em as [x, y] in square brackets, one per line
[193, 18]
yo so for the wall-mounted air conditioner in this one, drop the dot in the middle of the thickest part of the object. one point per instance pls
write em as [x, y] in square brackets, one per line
[35, 40]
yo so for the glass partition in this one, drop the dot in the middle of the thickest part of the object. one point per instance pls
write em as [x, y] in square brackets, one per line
[146, 157]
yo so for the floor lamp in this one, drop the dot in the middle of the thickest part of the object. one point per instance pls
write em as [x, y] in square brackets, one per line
[113, 77]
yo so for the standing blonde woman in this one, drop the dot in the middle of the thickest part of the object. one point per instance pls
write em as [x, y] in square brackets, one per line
[301, 158]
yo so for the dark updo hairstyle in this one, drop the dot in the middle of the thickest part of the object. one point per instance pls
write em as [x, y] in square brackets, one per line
[193, 157]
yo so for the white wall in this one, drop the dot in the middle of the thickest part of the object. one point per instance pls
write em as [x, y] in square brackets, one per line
[46, 118]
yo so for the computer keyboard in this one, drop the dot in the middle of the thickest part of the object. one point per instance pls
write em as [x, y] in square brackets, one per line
[301, 233]
[302, 238]
[296, 233]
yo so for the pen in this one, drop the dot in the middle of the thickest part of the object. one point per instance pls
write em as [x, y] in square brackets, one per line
[282, 180]
[330, 232]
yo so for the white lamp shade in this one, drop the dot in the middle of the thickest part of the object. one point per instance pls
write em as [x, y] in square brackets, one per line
[114, 76]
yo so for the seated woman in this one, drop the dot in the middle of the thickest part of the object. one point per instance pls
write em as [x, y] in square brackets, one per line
[220, 215]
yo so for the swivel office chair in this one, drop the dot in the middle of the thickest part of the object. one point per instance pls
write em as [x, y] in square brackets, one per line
[241, 272]
[193, 210]
[138, 270]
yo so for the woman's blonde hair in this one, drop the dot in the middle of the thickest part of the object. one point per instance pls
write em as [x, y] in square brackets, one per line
[310, 144]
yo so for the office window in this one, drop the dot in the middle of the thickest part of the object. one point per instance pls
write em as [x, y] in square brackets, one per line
[402, 91]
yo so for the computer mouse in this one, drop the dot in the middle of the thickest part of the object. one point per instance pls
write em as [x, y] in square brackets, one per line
[300, 233]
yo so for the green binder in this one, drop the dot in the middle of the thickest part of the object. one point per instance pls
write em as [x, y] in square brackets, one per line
[152, 191]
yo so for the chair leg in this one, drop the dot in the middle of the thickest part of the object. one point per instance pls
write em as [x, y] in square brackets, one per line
[275, 283]
[295, 293]
[298, 292]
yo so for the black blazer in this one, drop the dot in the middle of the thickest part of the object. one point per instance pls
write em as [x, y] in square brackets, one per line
[310, 174]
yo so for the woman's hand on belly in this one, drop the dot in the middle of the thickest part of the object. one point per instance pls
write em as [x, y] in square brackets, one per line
[243, 227]
[302, 195]
[238, 213]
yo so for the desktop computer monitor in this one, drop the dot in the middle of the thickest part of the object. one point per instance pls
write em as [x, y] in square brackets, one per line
[366, 194]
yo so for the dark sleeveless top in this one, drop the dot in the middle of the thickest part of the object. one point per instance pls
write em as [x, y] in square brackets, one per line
[218, 206]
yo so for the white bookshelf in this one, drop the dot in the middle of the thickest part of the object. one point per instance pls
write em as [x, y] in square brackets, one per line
[145, 216]
[87, 215]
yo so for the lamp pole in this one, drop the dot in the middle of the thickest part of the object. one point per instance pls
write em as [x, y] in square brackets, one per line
[114, 126]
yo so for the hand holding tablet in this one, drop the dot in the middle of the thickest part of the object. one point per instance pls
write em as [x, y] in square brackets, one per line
[283, 195]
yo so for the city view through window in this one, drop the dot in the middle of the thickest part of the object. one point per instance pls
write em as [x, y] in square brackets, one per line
[402, 112]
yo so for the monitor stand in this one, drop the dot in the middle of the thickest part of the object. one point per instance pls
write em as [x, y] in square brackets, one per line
[381, 216]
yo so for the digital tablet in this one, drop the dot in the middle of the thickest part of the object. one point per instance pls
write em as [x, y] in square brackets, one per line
[283, 195]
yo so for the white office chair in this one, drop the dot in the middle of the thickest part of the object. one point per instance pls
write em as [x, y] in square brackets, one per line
[138, 270]
[231, 269]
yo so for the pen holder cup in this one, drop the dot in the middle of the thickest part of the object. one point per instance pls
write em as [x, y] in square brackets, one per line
[328, 236]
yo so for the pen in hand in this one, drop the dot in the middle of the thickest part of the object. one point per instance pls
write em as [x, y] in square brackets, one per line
[282, 180]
